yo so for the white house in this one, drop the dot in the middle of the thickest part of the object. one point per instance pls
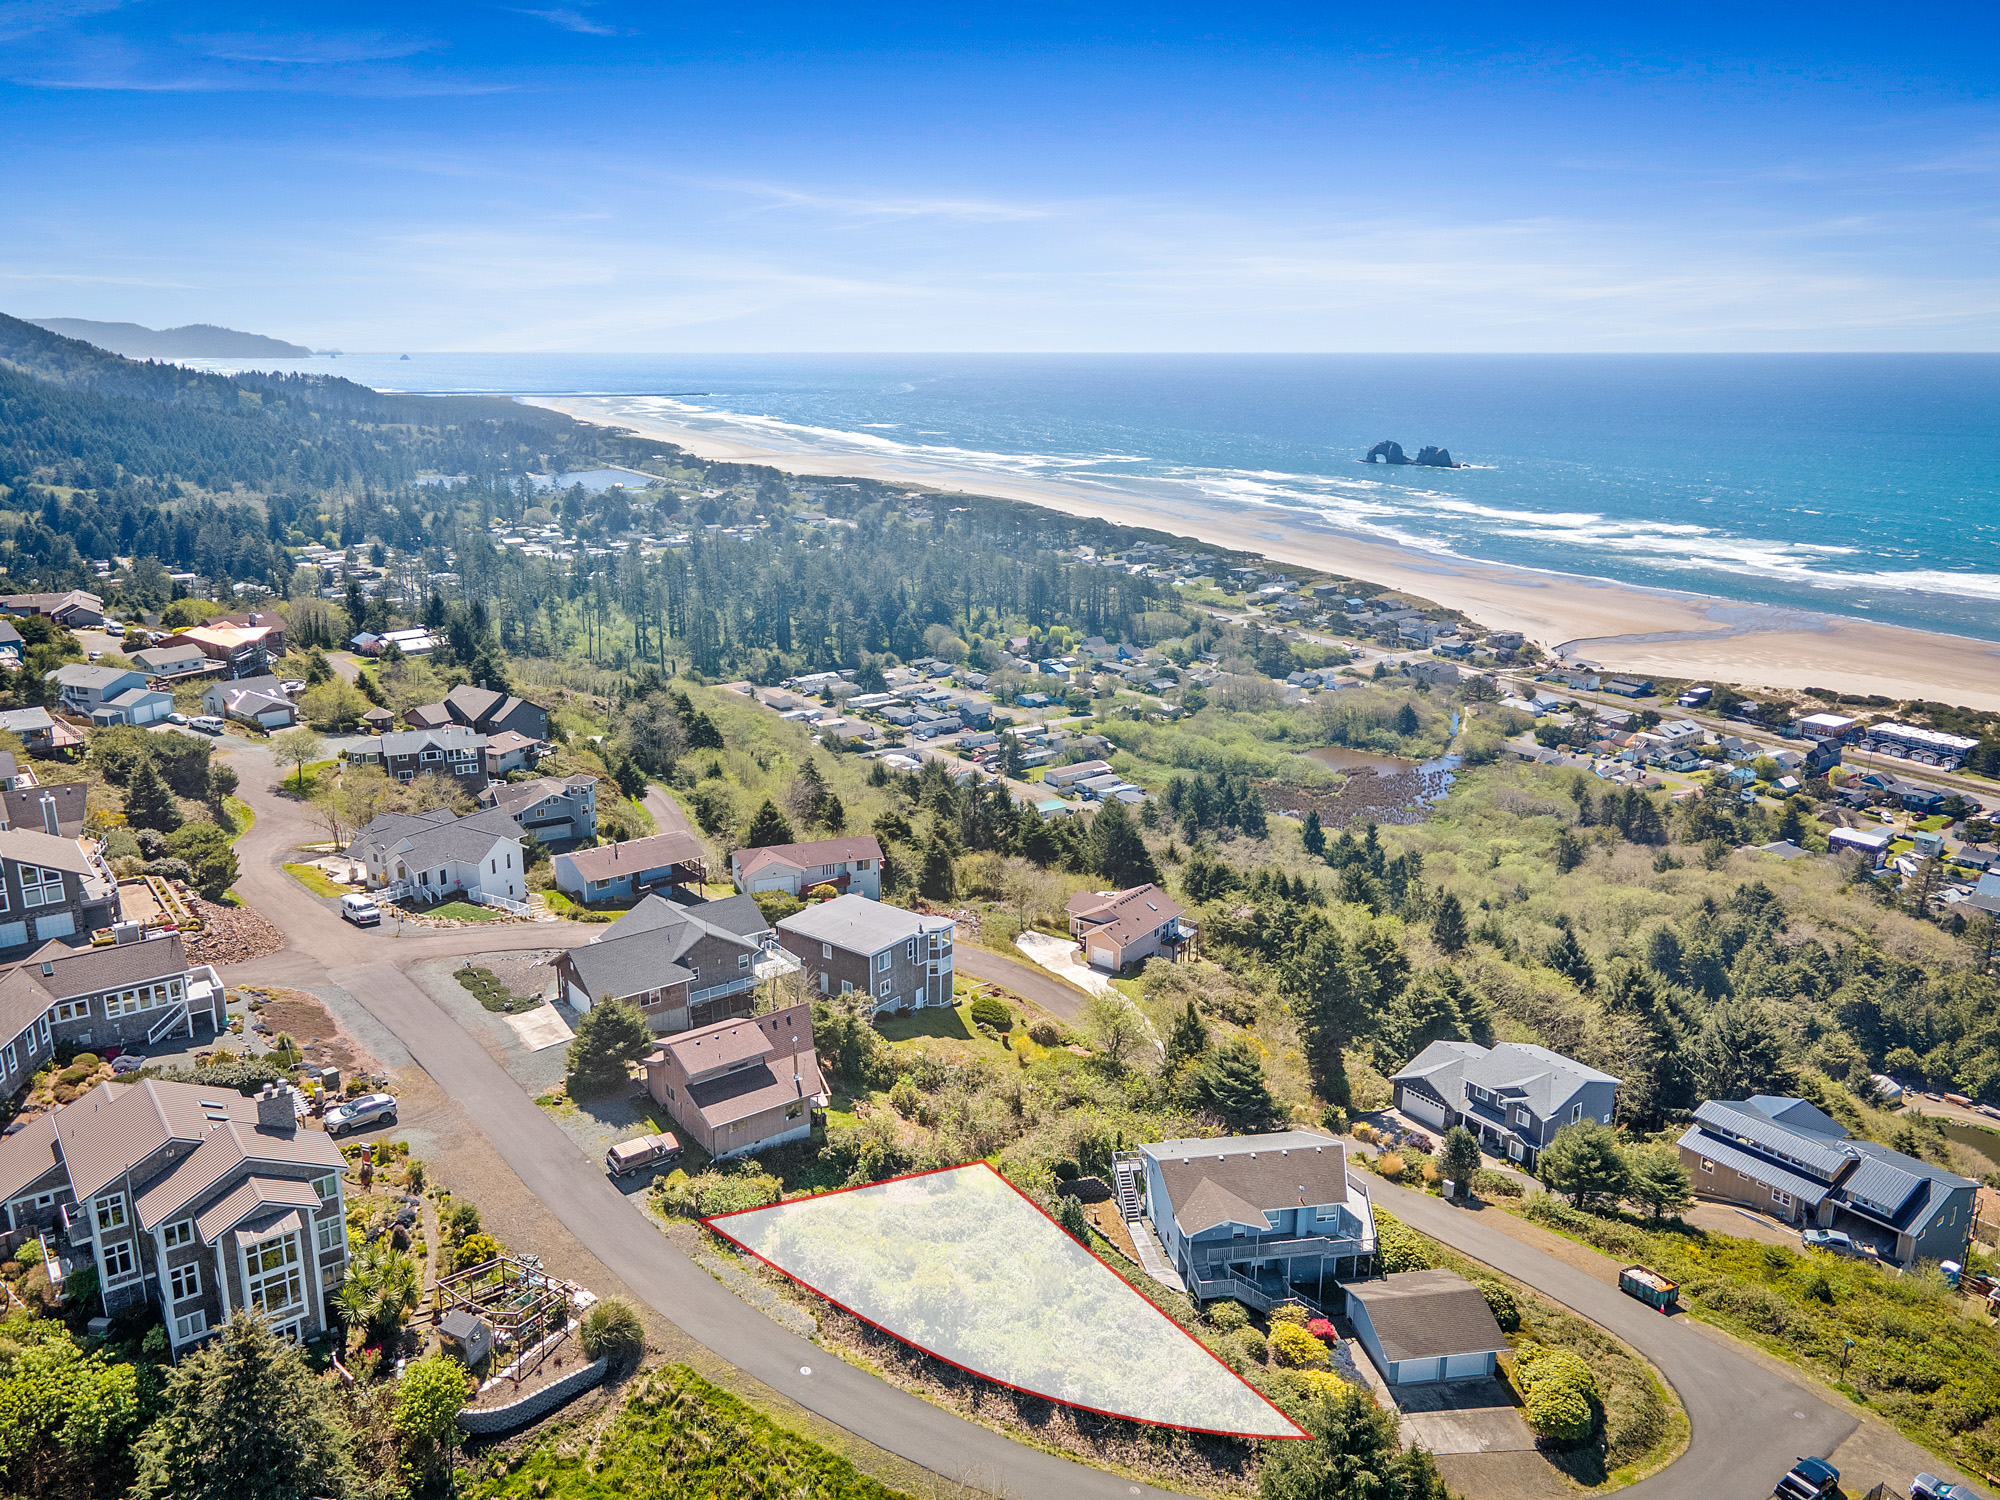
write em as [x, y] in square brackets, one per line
[253, 700]
[438, 854]
[847, 864]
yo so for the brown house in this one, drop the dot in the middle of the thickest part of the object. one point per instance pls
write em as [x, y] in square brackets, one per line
[1116, 928]
[682, 965]
[740, 1086]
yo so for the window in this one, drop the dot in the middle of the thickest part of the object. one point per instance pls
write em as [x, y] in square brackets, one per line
[118, 1262]
[492, 867]
[71, 1010]
[910, 950]
[111, 1212]
[826, 950]
[1782, 1199]
[846, 988]
[882, 962]
[742, 960]
[1575, 1113]
[275, 1287]
[1707, 1165]
[185, 1282]
[328, 1187]
[194, 1325]
[330, 1233]
[178, 1236]
[882, 989]
[40, 887]
[7, 1058]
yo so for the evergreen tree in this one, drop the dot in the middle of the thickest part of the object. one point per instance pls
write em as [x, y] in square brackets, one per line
[246, 1419]
[1741, 1052]
[148, 802]
[1569, 851]
[1566, 957]
[1312, 835]
[1187, 1040]
[1229, 1082]
[1448, 928]
[1459, 1158]
[611, 1034]
[702, 733]
[1406, 720]
[69, 1416]
[938, 880]
[1354, 1455]
[1659, 1181]
[768, 827]
[1117, 850]
[1583, 1163]
[1332, 994]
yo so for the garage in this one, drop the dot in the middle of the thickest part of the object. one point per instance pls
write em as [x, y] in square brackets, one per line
[1103, 957]
[1417, 1107]
[1467, 1366]
[1416, 1371]
[1420, 1327]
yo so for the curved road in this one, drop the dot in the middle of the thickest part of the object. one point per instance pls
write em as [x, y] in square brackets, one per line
[1747, 1422]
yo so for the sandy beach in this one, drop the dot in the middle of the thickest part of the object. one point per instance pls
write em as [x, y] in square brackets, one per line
[1627, 628]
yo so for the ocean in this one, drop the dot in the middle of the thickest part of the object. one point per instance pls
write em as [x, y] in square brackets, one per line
[1860, 485]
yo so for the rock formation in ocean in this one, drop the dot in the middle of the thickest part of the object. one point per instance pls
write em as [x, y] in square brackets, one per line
[1392, 453]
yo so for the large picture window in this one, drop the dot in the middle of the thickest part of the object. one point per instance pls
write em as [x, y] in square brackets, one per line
[275, 1287]
[111, 1212]
[40, 887]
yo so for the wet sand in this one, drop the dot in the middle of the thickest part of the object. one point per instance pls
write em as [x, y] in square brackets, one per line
[1657, 632]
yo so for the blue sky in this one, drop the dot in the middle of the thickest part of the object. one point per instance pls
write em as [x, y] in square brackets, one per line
[601, 176]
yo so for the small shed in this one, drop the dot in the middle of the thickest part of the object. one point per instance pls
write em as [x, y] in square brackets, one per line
[466, 1335]
[1422, 1326]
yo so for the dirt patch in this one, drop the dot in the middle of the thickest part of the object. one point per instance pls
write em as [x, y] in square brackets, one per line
[230, 934]
[525, 973]
[307, 1021]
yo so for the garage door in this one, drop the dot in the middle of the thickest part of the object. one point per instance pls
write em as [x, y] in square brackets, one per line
[1427, 1110]
[1464, 1366]
[1417, 1371]
[1102, 957]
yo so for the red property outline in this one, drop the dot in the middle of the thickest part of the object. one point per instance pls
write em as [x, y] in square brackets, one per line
[1298, 1433]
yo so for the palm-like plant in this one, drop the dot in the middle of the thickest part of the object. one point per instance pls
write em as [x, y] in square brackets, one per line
[381, 1290]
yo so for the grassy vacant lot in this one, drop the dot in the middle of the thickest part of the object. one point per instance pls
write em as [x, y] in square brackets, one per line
[678, 1438]
[315, 880]
[1920, 1355]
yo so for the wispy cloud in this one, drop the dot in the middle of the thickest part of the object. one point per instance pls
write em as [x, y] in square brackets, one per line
[309, 49]
[577, 21]
[21, 18]
[888, 206]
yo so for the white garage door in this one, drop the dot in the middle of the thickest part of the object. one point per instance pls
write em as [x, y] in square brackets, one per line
[1417, 1371]
[1464, 1366]
[1429, 1111]
[1102, 957]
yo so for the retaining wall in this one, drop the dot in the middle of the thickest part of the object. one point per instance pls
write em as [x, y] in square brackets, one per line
[536, 1405]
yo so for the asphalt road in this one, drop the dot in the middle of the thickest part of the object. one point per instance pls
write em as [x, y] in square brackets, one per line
[1023, 978]
[1749, 1423]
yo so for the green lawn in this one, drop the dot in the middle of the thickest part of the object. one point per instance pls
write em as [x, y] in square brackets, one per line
[241, 815]
[314, 880]
[954, 1025]
[460, 911]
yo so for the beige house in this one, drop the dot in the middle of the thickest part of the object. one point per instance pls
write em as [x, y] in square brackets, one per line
[741, 1085]
[1116, 928]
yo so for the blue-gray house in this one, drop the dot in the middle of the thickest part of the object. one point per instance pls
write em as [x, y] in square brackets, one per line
[1514, 1097]
[1260, 1218]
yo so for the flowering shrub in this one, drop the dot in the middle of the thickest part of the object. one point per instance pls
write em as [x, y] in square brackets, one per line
[1322, 1330]
[1291, 1345]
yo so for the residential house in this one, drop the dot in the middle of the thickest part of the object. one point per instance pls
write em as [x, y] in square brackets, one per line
[82, 690]
[490, 712]
[52, 887]
[437, 854]
[1118, 928]
[1787, 1158]
[426, 716]
[509, 751]
[131, 993]
[169, 662]
[410, 642]
[1513, 1097]
[73, 610]
[378, 721]
[1629, 687]
[408, 753]
[262, 701]
[190, 1197]
[239, 650]
[741, 1086]
[684, 966]
[57, 810]
[847, 864]
[11, 774]
[1261, 1219]
[1838, 727]
[11, 646]
[1064, 778]
[40, 734]
[555, 809]
[901, 960]
[621, 871]
[1425, 1326]
[1503, 640]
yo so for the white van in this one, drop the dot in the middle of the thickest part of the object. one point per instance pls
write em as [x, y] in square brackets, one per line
[361, 911]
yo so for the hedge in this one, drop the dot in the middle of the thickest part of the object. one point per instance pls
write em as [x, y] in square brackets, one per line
[1559, 1391]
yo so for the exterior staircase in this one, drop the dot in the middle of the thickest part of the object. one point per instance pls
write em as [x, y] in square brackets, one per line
[538, 908]
[1125, 1175]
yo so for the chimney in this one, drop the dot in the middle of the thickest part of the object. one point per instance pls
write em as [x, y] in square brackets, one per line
[49, 814]
[274, 1109]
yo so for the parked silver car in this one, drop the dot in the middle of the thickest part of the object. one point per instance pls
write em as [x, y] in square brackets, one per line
[361, 1113]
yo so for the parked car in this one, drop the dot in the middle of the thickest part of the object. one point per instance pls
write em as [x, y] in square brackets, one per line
[641, 1152]
[95, 655]
[112, 627]
[205, 724]
[1810, 1479]
[1930, 1487]
[361, 1113]
[361, 911]
[177, 718]
[1837, 1242]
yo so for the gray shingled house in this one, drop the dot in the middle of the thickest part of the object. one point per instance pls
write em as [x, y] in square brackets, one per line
[1514, 1097]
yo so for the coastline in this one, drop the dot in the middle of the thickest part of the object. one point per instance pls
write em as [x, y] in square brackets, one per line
[1623, 626]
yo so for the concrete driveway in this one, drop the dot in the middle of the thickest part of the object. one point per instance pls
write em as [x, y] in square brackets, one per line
[1463, 1416]
[1058, 956]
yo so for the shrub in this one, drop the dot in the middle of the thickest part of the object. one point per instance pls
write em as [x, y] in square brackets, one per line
[1324, 1331]
[1228, 1316]
[1292, 1346]
[1289, 1312]
[1389, 1164]
[1506, 1311]
[87, 1060]
[1247, 1346]
[474, 1250]
[1559, 1392]
[1363, 1131]
[1066, 1170]
[30, 1254]
[1488, 1183]
[612, 1330]
[1046, 1034]
[988, 1011]
[1400, 1248]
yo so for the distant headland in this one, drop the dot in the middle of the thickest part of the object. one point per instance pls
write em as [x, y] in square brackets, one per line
[195, 341]
[1392, 453]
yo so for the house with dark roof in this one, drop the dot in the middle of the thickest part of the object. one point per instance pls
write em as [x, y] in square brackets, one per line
[1787, 1158]
[555, 809]
[847, 864]
[901, 960]
[492, 712]
[169, 662]
[433, 855]
[193, 1198]
[508, 751]
[683, 966]
[70, 610]
[131, 993]
[1117, 928]
[52, 887]
[1513, 1097]
[740, 1086]
[1259, 1218]
[1425, 1326]
[453, 752]
[632, 867]
[57, 810]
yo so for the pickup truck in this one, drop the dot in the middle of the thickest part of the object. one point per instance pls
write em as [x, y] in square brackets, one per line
[645, 1151]
[1810, 1479]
